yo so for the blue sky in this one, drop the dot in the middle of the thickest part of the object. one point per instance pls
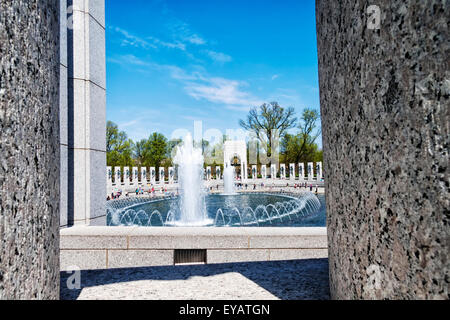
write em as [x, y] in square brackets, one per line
[170, 63]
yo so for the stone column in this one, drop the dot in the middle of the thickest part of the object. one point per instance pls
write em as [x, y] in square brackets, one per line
[264, 171]
[301, 172]
[117, 177]
[87, 112]
[30, 147]
[153, 175]
[144, 176]
[310, 171]
[292, 171]
[273, 171]
[218, 173]
[172, 174]
[282, 171]
[254, 172]
[126, 177]
[162, 175]
[384, 96]
[319, 175]
[135, 177]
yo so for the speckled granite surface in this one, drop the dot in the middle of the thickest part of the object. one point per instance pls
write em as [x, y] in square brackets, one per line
[384, 98]
[29, 149]
[285, 280]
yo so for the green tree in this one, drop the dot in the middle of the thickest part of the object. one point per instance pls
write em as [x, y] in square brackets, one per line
[269, 123]
[119, 149]
[141, 152]
[157, 150]
[302, 147]
[294, 150]
[309, 121]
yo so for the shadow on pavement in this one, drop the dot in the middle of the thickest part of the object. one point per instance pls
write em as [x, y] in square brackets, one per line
[287, 280]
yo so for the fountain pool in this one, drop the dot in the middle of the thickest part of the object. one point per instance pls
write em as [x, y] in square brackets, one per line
[243, 209]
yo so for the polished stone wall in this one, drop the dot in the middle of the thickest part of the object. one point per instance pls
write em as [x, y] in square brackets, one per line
[29, 149]
[86, 116]
[384, 94]
[63, 115]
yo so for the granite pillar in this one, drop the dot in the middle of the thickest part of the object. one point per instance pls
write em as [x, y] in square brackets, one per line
[384, 95]
[30, 148]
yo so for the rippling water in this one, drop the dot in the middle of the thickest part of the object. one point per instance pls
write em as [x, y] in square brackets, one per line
[228, 205]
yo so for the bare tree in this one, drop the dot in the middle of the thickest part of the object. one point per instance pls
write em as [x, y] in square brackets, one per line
[269, 123]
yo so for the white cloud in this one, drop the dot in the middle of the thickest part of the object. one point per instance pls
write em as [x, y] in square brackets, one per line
[170, 45]
[150, 42]
[218, 56]
[181, 30]
[275, 76]
[195, 39]
[132, 40]
[128, 124]
[223, 91]
[200, 86]
[173, 71]
[129, 59]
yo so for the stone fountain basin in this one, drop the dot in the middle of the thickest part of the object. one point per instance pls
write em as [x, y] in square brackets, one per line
[92, 248]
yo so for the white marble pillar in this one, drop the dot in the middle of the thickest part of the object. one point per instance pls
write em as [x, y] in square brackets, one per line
[135, 182]
[117, 177]
[162, 175]
[144, 176]
[208, 173]
[292, 171]
[171, 174]
[319, 176]
[153, 175]
[108, 176]
[264, 171]
[218, 173]
[126, 176]
[301, 172]
[254, 172]
[282, 171]
[273, 171]
[310, 171]
[245, 172]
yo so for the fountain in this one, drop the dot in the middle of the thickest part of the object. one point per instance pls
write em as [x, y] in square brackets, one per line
[192, 210]
[228, 179]
[256, 209]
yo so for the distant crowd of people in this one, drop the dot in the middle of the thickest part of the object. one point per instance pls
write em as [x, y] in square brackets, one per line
[151, 191]
[245, 186]
[138, 191]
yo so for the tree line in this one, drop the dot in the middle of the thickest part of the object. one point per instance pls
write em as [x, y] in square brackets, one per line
[268, 123]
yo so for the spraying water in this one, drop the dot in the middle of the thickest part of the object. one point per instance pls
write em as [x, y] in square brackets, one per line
[190, 176]
[228, 179]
